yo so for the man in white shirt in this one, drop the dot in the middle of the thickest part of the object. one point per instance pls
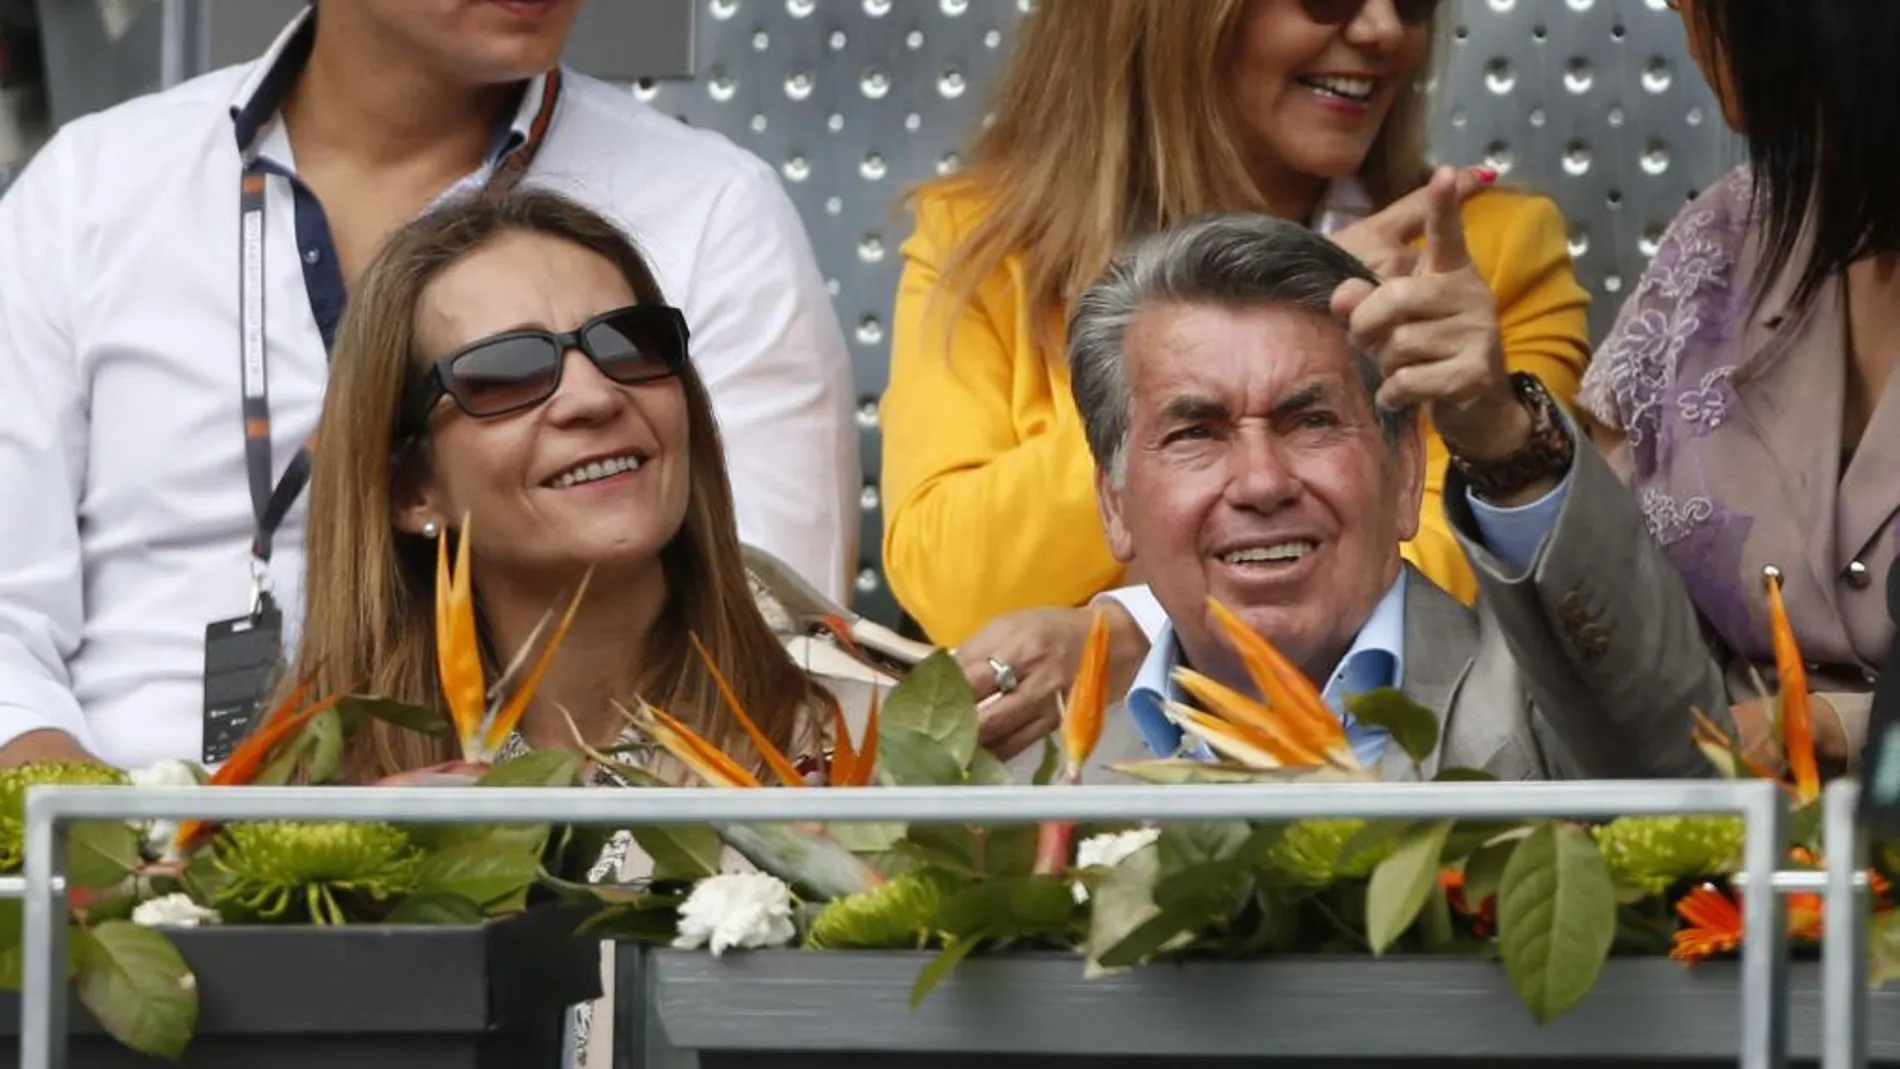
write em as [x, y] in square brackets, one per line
[144, 444]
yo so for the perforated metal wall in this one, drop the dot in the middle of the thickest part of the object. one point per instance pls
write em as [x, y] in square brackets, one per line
[1591, 101]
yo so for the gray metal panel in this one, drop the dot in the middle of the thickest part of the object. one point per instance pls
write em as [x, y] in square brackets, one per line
[853, 101]
[1594, 102]
[850, 1009]
[99, 53]
[614, 39]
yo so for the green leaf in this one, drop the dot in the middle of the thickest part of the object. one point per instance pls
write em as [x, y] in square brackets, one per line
[289, 755]
[527, 838]
[1411, 725]
[1883, 947]
[356, 709]
[1051, 760]
[1469, 835]
[865, 838]
[1121, 908]
[613, 894]
[101, 854]
[907, 758]
[1722, 758]
[941, 966]
[326, 748]
[803, 856]
[78, 943]
[536, 768]
[1463, 775]
[436, 907]
[1015, 906]
[1484, 871]
[680, 852]
[481, 872]
[653, 919]
[987, 771]
[1374, 836]
[138, 986]
[1401, 883]
[1188, 844]
[1204, 869]
[1556, 918]
[936, 856]
[935, 700]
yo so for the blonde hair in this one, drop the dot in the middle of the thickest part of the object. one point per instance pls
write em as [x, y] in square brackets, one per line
[1113, 120]
[369, 620]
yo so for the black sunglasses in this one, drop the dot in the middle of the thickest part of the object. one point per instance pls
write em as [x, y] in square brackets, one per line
[519, 369]
[1340, 12]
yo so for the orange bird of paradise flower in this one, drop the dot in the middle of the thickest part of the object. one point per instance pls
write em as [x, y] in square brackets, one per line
[1292, 727]
[482, 716]
[1082, 720]
[249, 759]
[1797, 722]
[850, 765]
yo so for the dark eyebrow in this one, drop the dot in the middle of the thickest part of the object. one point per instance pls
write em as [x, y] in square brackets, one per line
[1306, 397]
[1193, 408]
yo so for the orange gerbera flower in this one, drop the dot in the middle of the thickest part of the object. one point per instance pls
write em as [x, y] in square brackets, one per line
[1713, 925]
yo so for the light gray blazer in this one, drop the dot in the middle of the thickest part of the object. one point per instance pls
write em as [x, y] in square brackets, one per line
[1585, 667]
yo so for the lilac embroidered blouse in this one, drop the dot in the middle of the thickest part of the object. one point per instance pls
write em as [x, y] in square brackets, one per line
[1730, 415]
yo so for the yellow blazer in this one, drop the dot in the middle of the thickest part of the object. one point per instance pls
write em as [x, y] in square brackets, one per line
[988, 486]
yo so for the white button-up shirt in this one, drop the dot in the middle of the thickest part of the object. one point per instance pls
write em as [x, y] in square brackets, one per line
[125, 512]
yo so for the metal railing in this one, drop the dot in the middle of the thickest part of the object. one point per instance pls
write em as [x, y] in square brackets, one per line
[1846, 903]
[1761, 805]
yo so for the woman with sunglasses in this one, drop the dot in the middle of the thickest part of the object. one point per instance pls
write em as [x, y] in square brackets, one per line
[1745, 388]
[513, 361]
[1115, 118]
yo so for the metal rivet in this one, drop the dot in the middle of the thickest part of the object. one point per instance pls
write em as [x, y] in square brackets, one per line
[1857, 575]
[1772, 573]
[1870, 676]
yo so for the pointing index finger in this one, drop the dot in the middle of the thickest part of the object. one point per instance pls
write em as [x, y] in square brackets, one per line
[1445, 249]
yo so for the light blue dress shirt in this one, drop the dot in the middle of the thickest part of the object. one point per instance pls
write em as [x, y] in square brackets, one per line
[1376, 658]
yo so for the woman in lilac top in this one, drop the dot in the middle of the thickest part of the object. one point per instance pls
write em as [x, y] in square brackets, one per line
[1742, 391]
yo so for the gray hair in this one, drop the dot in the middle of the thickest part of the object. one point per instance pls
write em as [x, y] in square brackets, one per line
[1229, 259]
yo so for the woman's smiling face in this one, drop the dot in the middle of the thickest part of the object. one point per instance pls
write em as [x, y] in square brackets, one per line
[596, 475]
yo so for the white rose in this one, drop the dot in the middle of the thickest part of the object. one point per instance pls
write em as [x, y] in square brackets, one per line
[168, 772]
[743, 910]
[173, 911]
[1107, 851]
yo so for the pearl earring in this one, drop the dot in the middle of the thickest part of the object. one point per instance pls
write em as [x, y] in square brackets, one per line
[430, 530]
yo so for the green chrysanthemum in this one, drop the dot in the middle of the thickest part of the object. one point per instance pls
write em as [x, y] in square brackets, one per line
[1651, 853]
[276, 866]
[892, 915]
[1307, 854]
[13, 786]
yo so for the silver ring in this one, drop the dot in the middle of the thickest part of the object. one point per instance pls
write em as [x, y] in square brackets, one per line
[1006, 680]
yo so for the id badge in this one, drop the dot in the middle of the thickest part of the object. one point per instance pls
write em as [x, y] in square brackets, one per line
[242, 655]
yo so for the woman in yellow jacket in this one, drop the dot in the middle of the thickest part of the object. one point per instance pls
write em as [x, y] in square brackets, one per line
[1119, 117]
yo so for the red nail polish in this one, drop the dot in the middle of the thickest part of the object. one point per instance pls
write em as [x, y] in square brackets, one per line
[1486, 175]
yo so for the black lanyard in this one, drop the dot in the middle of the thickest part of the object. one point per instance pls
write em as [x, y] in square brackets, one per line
[270, 503]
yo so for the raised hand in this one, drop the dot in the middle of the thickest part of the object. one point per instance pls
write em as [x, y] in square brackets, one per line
[1384, 242]
[1434, 332]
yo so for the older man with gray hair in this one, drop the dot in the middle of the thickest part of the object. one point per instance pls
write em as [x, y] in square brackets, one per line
[1251, 395]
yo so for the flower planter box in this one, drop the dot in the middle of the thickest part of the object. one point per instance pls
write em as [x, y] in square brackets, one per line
[780, 1010]
[371, 997]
